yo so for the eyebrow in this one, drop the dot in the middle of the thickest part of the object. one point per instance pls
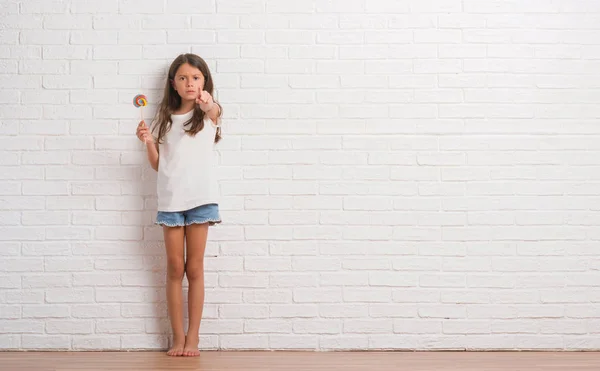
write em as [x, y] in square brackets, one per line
[196, 74]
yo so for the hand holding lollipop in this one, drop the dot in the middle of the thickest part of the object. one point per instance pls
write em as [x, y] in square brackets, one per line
[143, 133]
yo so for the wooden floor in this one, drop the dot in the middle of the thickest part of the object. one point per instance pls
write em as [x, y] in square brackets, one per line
[296, 361]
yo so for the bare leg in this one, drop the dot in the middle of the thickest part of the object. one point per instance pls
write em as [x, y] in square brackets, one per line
[196, 235]
[174, 242]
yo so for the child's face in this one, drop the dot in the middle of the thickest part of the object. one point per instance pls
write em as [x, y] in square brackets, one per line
[188, 82]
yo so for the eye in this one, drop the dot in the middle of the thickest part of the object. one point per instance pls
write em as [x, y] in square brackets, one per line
[196, 78]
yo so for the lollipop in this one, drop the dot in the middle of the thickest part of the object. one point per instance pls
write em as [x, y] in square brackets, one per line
[140, 101]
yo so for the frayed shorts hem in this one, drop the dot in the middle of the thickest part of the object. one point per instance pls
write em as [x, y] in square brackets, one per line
[202, 214]
[209, 221]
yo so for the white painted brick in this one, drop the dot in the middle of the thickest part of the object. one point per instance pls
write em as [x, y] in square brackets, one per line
[10, 312]
[24, 297]
[145, 310]
[10, 248]
[411, 326]
[18, 112]
[343, 311]
[46, 280]
[292, 248]
[22, 233]
[251, 6]
[254, 281]
[293, 311]
[95, 310]
[262, 22]
[249, 341]
[358, 21]
[442, 280]
[69, 203]
[68, 233]
[272, 326]
[45, 97]
[69, 327]
[67, 295]
[67, 82]
[234, 311]
[45, 188]
[22, 52]
[343, 279]
[36, 37]
[21, 203]
[540, 342]
[10, 281]
[21, 82]
[116, 21]
[441, 36]
[96, 279]
[312, 326]
[383, 342]
[46, 311]
[9, 8]
[345, 342]
[49, 342]
[37, 6]
[10, 188]
[10, 127]
[96, 218]
[466, 327]
[373, 326]
[124, 233]
[66, 52]
[119, 326]
[95, 342]
[306, 342]
[155, 342]
[205, 21]
[547, 311]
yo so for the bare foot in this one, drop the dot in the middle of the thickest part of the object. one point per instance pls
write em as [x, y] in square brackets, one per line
[177, 348]
[191, 346]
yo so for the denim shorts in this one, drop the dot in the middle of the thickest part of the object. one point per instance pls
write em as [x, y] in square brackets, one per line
[208, 213]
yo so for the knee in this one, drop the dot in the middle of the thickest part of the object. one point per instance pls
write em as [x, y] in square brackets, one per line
[175, 269]
[195, 269]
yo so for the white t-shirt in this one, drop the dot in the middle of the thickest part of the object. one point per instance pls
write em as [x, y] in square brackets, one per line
[186, 171]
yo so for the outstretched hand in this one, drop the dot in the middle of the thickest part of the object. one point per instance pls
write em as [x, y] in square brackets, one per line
[205, 100]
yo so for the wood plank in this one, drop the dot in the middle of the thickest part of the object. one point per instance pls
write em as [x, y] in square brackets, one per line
[306, 361]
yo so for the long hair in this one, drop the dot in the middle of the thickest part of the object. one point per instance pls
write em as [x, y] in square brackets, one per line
[171, 100]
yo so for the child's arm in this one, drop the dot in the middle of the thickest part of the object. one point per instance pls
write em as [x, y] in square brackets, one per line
[215, 113]
[152, 154]
[143, 134]
[211, 108]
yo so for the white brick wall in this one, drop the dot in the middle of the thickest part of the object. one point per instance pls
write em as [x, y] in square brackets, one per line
[395, 174]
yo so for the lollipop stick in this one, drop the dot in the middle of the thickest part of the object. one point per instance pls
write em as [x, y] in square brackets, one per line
[142, 117]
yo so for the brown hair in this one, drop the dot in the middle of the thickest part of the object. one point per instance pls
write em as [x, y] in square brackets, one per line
[171, 100]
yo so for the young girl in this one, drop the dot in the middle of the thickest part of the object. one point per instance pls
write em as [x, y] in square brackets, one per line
[187, 126]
